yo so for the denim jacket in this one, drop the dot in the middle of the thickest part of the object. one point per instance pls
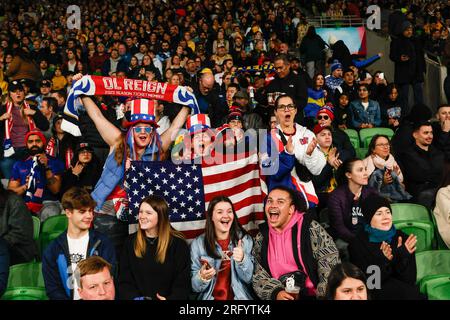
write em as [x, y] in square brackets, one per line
[372, 115]
[241, 272]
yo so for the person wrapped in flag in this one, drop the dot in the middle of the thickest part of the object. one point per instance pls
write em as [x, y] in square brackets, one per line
[17, 118]
[140, 142]
[38, 178]
[300, 158]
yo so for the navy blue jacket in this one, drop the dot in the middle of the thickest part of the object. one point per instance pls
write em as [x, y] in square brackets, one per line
[56, 263]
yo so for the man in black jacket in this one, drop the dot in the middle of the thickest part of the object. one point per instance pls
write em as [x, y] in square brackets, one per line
[423, 166]
[287, 82]
[208, 98]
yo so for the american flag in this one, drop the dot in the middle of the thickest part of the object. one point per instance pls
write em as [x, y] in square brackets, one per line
[188, 189]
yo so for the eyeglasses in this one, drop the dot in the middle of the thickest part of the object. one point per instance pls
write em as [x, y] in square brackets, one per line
[323, 117]
[384, 145]
[286, 106]
[146, 130]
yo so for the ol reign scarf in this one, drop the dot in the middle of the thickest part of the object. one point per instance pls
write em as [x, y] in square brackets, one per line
[97, 85]
[8, 149]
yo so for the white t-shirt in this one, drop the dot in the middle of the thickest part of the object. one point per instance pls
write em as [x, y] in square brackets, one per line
[77, 252]
[365, 105]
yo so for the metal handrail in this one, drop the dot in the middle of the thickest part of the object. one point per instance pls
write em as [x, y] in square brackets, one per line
[326, 21]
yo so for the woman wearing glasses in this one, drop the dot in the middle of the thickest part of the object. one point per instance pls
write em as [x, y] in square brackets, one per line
[365, 113]
[221, 258]
[384, 172]
[299, 158]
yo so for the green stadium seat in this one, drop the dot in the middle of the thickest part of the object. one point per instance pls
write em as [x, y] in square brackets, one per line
[36, 227]
[431, 280]
[353, 136]
[409, 211]
[434, 262]
[26, 275]
[25, 293]
[361, 153]
[51, 229]
[367, 134]
[423, 230]
[440, 291]
[439, 242]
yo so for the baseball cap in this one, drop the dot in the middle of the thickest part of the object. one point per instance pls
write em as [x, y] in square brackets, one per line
[15, 85]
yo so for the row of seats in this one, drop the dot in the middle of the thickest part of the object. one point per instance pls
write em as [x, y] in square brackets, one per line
[51, 228]
[26, 282]
[362, 140]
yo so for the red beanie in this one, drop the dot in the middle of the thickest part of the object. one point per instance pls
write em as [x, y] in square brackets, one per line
[327, 109]
[38, 133]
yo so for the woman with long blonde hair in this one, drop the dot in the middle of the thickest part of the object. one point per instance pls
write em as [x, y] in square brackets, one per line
[155, 261]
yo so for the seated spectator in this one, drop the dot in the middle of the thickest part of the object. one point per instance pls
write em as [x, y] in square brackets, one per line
[442, 209]
[403, 136]
[365, 113]
[342, 112]
[344, 203]
[37, 178]
[14, 147]
[62, 144]
[251, 119]
[85, 169]
[380, 244]
[300, 158]
[316, 100]
[4, 266]
[334, 80]
[384, 173]
[423, 166]
[155, 261]
[277, 252]
[325, 118]
[325, 183]
[77, 243]
[378, 86]
[346, 282]
[16, 228]
[48, 107]
[94, 279]
[441, 130]
[221, 258]
[391, 108]
[349, 87]
[59, 80]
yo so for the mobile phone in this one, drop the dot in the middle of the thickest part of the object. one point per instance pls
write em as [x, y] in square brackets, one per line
[381, 75]
[205, 263]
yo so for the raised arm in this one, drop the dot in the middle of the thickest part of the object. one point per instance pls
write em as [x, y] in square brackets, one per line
[169, 135]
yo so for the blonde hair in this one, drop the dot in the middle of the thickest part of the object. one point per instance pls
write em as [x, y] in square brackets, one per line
[165, 230]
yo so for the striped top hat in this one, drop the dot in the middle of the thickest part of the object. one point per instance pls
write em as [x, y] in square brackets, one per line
[142, 111]
[198, 123]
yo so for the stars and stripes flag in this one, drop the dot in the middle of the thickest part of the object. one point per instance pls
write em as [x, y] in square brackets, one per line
[188, 189]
